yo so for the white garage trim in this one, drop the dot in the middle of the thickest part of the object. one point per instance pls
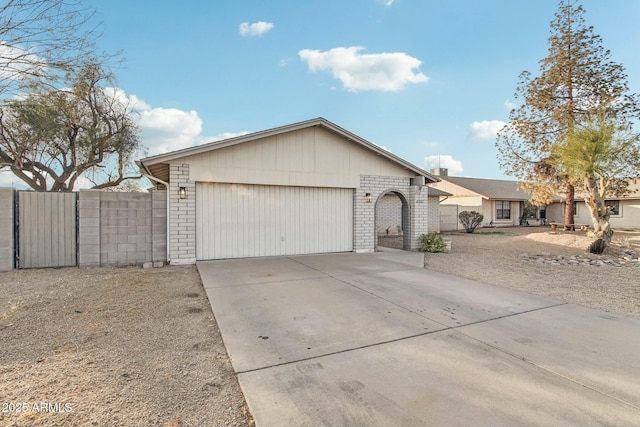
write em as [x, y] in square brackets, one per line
[241, 220]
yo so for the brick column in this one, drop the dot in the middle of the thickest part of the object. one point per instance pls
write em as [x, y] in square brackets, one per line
[182, 216]
[7, 224]
[418, 216]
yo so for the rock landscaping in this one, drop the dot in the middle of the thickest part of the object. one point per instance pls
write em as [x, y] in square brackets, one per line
[628, 259]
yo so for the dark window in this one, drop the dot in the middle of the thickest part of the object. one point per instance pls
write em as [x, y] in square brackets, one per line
[503, 209]
[614, 207]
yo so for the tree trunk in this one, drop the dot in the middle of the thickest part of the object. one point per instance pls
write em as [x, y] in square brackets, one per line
[569, 210]
[597, 208]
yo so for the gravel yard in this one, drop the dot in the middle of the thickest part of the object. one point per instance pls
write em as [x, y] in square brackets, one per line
[134, 347]
[113, 347]
[499, 259]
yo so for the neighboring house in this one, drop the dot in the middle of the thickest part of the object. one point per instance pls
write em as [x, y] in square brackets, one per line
[499, 201]
[389, 213]
[309, 187]
[625, 211]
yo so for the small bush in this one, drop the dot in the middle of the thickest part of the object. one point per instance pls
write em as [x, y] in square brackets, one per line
[432, 242]
[470, 220]
[597, 247]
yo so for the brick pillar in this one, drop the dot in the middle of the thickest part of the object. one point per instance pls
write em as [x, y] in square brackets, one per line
[364, 220]
[419, 215]
[182, 216]
[7, 223]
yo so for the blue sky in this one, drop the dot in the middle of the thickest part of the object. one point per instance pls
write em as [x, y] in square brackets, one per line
[203, 70]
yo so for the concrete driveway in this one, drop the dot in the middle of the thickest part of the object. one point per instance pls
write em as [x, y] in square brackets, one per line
[377, 340]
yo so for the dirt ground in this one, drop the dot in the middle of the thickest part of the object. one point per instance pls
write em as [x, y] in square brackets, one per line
[134, 347]
[113, 347]
[499, 259]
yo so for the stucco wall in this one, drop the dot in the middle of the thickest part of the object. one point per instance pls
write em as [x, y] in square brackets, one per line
[629, 217]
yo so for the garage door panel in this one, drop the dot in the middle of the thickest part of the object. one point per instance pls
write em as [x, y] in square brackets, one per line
[238, 220]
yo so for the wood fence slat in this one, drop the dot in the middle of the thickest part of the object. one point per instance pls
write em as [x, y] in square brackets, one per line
[47, 229]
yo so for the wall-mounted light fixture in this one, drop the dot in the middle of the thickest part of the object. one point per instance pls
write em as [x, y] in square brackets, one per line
[183, 192]
[367, 198]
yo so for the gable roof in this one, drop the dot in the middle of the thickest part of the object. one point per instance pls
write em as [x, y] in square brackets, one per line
[434, 192]
[158, 165]
[494, 189]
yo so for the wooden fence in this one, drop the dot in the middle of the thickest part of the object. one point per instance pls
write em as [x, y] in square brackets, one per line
[46, 229]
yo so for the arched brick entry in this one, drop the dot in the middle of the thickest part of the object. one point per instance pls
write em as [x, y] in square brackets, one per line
[386, 204]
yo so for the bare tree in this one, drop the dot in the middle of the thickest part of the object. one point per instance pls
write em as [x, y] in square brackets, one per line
[42, 39]
[51, 138]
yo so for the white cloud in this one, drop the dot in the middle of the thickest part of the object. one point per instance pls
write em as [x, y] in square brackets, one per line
[358, 72]
[131, 101]
[162, 129]
[256, 29]
[8, 179]
[487, 129]
[443, 161]
[17, 63]
[510, 105]
[169, 129]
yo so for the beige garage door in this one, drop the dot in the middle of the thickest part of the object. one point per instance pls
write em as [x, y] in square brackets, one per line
[240, 221]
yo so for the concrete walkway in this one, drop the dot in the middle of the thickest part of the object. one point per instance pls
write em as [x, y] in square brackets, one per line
[377, 340]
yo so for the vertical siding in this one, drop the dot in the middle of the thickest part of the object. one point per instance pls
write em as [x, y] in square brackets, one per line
[47, 229]
[238, 220]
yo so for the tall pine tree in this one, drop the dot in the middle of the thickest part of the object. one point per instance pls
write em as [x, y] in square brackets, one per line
[577, 78]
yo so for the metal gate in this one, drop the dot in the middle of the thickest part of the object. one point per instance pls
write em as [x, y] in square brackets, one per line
[46, 229]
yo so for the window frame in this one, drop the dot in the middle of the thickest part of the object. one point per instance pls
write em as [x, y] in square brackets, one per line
[618, 207]
[501, 210]
[575, 208]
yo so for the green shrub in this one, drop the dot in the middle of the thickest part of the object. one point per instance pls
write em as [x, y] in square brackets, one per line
[432, 242]
[470, 220]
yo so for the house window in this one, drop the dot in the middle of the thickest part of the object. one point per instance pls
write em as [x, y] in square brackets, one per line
[614, 207]
[503, 209]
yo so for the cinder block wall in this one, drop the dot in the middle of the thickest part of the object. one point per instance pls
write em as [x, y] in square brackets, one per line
[7, 259]
[121, 228]
[388, 215]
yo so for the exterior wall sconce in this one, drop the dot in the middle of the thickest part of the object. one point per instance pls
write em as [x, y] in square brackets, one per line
[367, 198]
[183, 192]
